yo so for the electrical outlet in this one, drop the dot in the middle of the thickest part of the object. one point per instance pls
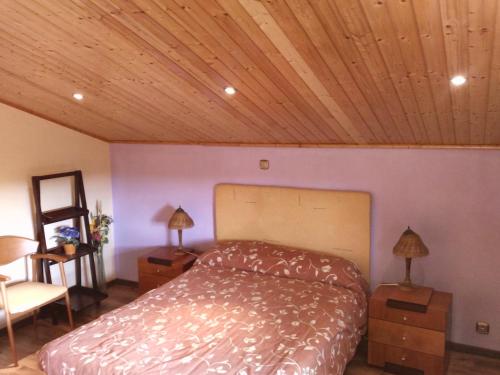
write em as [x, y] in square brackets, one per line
[483, 328]
[264, 164]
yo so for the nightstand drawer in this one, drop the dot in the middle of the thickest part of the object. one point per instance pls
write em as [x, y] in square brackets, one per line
[432, 319]
[148, 282]
[415, 338]
[382, 355]
[159, 270]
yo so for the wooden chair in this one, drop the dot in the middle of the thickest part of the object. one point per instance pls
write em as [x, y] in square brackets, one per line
[25, 298]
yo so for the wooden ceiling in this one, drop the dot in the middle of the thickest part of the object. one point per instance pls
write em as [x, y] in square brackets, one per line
[318, 72]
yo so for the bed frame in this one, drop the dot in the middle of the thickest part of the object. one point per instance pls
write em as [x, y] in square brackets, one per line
[328, 221]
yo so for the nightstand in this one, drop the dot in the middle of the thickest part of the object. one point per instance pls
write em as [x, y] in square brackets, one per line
[162, 265]
[407, 330]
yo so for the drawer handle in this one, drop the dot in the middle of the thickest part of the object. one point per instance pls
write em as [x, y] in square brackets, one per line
[403, 358]
[157, 270]
[403, 338]
[405, 318]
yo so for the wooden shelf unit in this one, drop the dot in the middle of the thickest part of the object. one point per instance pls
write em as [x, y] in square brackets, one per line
[80, 295]
[54, 216]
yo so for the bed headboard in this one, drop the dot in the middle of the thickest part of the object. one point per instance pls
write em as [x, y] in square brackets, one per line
[329, 221]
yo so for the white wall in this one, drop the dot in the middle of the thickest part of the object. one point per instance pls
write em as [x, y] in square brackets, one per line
[31, 146]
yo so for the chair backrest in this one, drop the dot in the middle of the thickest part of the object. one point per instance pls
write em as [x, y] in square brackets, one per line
[13, 248]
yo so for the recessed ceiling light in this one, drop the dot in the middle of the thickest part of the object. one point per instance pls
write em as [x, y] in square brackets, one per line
[230, 90]
[458, 80]
[78, 96]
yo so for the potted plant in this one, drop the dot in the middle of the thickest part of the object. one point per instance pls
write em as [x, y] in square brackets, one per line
[69, 237]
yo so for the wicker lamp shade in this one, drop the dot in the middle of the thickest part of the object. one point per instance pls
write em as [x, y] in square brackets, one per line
[410, 245]
[180, 220]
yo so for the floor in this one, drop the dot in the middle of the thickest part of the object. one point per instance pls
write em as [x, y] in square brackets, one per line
[29, 340]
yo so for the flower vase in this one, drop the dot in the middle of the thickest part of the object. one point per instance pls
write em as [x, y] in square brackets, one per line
[101, 274]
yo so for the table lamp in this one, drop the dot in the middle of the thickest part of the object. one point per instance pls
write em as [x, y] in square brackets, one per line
[180, 220]
[410, 245]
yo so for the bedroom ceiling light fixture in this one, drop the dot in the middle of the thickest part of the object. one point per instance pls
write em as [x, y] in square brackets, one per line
[410, 245]
[458, 80]
[78, 96]
[230, 90]
[180, 220]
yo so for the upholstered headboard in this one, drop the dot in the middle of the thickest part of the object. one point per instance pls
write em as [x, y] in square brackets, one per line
[329, 221]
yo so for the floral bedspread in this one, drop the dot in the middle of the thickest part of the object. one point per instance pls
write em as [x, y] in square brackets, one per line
[244, 308]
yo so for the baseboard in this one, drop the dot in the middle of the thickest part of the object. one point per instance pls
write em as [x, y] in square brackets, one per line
[123, 282]
[469, 349]
[462, 348]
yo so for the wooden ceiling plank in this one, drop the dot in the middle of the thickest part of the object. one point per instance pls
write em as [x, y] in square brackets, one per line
[74, 66]
[350, 80]
[188, 96]
[240, 69]
[274, 115]
[273, 31]
[429, 26]
[492, 133]
[359, 32]
[307, 72]
[265, 55]
[339, 35]
[482, 15]
[104, 97]
[14, 86]
[380, 24]
[113, 20]
[242, 29]
[454, 19]
[403, 20]
[251, 106]
[286, 32]
[221, 45]
[101, 47]
[39, 78]
[23, 63]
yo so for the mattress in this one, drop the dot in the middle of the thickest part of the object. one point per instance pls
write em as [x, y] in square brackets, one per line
[244, 308]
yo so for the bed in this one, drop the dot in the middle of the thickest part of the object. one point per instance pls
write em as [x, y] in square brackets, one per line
[247, 306]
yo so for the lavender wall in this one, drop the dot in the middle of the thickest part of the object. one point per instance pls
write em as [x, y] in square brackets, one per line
[450, 197]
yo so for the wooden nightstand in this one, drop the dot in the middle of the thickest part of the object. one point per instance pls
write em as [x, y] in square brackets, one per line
[407, 330]
[162, 265]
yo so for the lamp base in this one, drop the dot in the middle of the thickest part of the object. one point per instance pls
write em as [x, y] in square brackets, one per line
[407, 286]
[180, 251]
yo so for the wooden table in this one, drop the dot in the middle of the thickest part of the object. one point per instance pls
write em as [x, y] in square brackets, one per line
[407, 330]
[162, 265]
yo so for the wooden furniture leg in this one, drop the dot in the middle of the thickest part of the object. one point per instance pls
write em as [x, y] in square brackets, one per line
[66, 295]
[9, 323]
[68, 308]
[12, 343]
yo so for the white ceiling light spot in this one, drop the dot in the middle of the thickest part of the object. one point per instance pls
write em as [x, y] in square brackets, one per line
[458, 80]
[230, 90]
[78, 96]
